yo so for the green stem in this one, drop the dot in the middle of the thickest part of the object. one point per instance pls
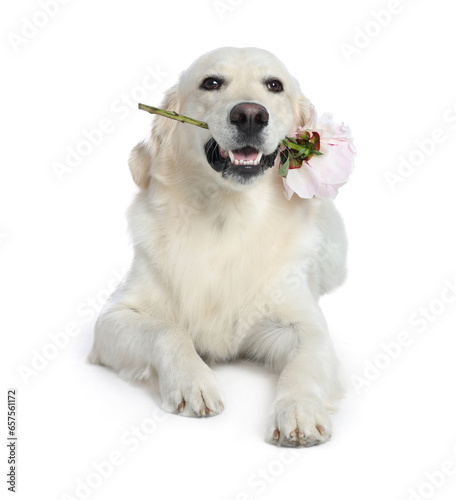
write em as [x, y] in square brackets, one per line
[173, 115]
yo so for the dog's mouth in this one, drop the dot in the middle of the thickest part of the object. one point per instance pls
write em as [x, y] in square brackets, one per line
[243, 163]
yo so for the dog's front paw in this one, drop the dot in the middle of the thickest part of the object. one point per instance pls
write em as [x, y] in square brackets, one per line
[298, 422]
[191, 392]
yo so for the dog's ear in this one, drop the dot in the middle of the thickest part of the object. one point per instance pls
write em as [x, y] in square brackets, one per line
[162, 127]
[304, 110]
[140, 162]
[143, 154]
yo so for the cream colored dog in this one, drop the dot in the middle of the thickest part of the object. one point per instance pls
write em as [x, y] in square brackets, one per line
[225, 266]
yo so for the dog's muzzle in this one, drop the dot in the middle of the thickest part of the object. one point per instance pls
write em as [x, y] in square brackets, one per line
[249, 119]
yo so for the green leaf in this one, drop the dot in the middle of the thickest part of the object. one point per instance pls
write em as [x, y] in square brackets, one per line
[284, 158]
[295, 146]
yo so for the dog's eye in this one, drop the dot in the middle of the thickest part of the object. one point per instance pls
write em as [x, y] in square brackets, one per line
[274, 85]
[211, 83]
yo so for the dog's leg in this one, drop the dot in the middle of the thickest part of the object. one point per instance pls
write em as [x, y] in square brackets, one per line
[126, 340]
[309, 383]
[306, 394]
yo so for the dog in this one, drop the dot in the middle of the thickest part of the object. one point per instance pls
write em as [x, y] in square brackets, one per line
[225, 267]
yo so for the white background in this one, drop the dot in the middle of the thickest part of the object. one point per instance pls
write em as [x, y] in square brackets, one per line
[63, 242]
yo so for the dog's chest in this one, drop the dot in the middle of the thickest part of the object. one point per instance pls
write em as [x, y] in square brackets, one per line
[216, 267]
[212, 262]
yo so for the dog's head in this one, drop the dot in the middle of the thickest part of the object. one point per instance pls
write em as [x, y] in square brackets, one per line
[250, 102]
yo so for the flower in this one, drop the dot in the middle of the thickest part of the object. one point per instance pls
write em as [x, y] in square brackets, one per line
[323, 160]
[316, 161]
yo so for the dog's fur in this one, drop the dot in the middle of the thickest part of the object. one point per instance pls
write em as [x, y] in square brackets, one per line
[225, 266]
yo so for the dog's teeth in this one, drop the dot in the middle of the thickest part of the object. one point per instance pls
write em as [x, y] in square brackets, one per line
[235, 161]
[223, 152]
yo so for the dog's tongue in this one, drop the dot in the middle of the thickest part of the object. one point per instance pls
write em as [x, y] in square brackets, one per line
[245, 154]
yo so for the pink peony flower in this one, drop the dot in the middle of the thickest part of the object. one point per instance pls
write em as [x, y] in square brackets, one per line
[322, 174]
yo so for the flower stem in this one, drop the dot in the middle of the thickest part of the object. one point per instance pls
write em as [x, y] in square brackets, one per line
[173, 115]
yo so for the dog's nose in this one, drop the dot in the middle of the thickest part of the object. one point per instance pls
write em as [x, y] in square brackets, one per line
[249, 117]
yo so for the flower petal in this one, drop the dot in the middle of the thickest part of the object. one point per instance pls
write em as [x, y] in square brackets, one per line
[335, 164]
[328, 191]
[304, 181]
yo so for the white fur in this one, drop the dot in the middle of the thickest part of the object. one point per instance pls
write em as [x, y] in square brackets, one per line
[225, 270]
